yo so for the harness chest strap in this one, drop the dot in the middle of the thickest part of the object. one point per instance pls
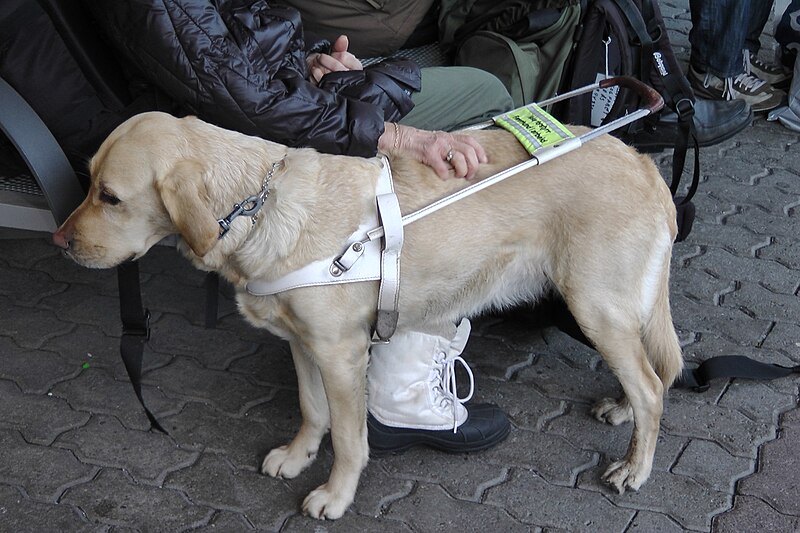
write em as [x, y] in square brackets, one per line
[364, 259]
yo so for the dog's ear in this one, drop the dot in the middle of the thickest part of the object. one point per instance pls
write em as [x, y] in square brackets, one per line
[183, 192]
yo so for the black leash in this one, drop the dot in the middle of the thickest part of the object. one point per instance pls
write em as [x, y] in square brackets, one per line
[730, 366]
[135, 330]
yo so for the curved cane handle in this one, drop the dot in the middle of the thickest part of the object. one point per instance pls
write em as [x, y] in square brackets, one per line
[651, 100]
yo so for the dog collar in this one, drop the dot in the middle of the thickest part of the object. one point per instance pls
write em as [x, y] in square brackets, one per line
[250, 206]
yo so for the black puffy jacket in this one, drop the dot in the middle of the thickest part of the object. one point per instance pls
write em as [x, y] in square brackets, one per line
[241, 64]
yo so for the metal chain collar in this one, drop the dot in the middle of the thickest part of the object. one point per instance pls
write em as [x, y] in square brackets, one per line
[250, 206]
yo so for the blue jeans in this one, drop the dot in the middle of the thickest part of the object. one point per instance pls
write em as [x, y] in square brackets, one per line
[721, 29]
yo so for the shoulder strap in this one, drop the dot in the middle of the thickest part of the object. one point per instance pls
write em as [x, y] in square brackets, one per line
[135, 330]
[730, 366]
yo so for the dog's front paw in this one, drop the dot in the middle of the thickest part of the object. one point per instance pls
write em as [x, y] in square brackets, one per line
[326, 504]
[285, 463]
[625, 474]
[611, 411]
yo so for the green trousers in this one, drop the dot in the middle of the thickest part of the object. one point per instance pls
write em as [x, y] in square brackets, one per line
[455, 97]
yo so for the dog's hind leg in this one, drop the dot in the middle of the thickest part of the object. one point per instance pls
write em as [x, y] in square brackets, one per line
[617, 337]
[289, 460]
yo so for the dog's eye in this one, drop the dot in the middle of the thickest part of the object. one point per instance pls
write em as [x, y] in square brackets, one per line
[108, 198]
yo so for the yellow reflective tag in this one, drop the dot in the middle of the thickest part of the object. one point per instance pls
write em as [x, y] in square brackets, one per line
[533, 127]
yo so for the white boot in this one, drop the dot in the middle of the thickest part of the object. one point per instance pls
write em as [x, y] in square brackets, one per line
[411, 381]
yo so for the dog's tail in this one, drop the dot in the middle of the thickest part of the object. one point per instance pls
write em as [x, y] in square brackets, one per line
[659, 337]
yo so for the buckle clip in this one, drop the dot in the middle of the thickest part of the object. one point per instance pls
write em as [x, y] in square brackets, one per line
[138, 330]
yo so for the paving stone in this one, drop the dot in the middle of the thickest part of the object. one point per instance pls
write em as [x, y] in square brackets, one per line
[709, 344]
[23, 515]
[683, 499]
[112, 498]
[271, 365]
[646, 522]
[29, 328]
[377, 489]
[186, 379]
[780, 251]
[766, 224]
[174, 335]
[726, 320]
[281, 411]
[580, 428]
[710, 465]
[430, 508]
[557, 460]
[213, 482]
[34, 371]
[769, 200]
[532, 500]
[757, 400]
[699, 285]
[463, 476]
[734, 239]
[26, 252]
[224, 521]
[752, 514]
[89, 345]
[724, 265]
[350, 522]
[786, 338]
[525, 406]
[791, 418]
[764, 304]
[27, 287]
[40, 418]
[561, 380]
[494, 359]
[519, 328]
[95, 391]
[44, 472]
[174, 295]
[729, 428]
[243, 441]
[83, 304]
[146, 455]
[778, 458]
[61, 269]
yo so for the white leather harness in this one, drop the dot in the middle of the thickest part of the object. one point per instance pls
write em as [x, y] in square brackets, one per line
[363, 259]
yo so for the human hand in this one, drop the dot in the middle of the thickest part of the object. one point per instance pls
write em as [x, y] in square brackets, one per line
[337, 61]
[448, 154]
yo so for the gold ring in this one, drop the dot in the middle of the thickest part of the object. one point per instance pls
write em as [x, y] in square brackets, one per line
[449, 155]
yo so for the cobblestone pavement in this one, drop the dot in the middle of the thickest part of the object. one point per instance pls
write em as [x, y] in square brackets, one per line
[77, 455]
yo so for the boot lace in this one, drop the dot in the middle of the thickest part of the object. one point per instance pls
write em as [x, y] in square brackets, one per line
[443, 383]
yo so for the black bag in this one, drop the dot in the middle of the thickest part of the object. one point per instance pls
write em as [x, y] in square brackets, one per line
[524, 43]
[629, 38]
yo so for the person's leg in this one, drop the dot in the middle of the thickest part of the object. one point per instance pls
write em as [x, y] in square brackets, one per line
[454, 97]
[412, 396]
[717, 36]
[758, 15]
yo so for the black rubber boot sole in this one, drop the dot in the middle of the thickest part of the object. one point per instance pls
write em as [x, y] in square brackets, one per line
[485, 427]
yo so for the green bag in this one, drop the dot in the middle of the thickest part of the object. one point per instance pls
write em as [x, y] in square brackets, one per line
[525, 45]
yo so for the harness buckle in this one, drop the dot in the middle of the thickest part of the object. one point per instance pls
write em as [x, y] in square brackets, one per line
[344, 262]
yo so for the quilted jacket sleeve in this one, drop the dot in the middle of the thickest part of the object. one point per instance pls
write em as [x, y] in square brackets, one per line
[240, 64]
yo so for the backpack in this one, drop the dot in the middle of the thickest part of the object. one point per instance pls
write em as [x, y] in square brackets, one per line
[524, 43]
[629, 38]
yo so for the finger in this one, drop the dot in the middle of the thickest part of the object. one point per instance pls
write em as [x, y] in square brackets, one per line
[441, 168]
[459, 164]
[331, 64]
[340, 44]
[480, 153]
[471, 160]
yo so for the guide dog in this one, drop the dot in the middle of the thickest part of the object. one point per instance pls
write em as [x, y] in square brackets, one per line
[595, 226]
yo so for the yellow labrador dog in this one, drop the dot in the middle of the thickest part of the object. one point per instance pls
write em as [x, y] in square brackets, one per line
[595, 225]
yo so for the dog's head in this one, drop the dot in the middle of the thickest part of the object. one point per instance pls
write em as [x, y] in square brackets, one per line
[145, 185]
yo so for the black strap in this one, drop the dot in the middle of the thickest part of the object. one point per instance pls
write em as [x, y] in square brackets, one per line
[212, 299]
[135, 330]
[730, 366]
